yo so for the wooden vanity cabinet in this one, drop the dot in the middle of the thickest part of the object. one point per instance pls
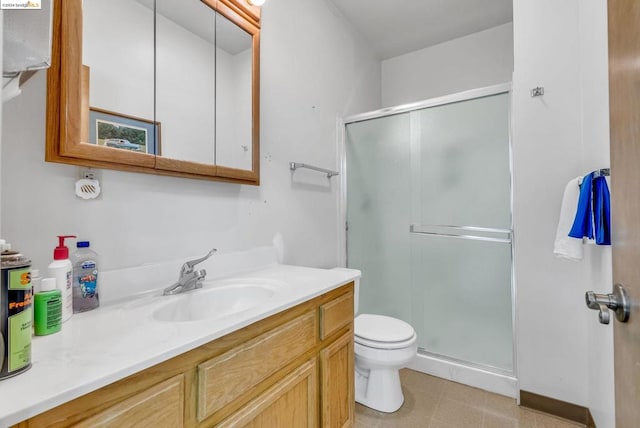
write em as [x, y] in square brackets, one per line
[293, 369]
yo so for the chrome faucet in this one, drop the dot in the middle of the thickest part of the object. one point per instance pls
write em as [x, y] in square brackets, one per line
[189, 279]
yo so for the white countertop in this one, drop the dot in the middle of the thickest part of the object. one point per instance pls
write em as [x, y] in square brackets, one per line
[107, 344]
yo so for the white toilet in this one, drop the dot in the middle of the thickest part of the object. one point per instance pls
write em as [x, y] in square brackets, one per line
[383, 345]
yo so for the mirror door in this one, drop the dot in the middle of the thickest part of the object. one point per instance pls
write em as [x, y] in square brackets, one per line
[118, 67]
[237, 95]
[233, 94]
[185, 53]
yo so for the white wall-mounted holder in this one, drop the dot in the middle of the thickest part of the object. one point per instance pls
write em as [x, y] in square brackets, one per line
[26, 46]
[26, 39]
[88, 186]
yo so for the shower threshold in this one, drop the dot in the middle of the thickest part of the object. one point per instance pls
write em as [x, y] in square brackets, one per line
[488, 378]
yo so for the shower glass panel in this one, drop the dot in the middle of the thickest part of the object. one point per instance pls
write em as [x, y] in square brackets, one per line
[461, 164]
[429, 225]
[378, 201]
[461, 299]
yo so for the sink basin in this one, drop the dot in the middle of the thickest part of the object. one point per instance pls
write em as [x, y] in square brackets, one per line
[209, 303]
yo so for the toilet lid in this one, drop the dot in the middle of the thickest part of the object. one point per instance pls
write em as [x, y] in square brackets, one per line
[380, 328]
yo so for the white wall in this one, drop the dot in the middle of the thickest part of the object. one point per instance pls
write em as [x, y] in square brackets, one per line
[481, 59]
[562, 47]
[314, 69]
[547, 152]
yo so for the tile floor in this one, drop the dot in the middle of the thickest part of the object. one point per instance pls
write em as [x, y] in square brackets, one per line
[431, 402]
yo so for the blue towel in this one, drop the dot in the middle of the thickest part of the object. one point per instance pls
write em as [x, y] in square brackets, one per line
[601, 211]
[594, 211]
[582, 225]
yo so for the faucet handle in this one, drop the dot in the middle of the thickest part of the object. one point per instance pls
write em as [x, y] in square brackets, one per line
[188, 266]
[200, 274]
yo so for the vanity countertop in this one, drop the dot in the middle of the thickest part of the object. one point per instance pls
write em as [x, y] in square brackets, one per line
[105, 345]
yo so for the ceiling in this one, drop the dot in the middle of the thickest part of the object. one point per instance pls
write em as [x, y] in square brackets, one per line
[395, 27]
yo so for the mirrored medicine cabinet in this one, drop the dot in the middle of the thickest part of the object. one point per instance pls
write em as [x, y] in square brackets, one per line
[156, 86]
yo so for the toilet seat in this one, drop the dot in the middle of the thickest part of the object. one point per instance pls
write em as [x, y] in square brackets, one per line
[385, 345]
[382, 332]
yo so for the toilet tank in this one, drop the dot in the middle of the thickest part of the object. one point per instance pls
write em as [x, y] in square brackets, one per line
[356, 291]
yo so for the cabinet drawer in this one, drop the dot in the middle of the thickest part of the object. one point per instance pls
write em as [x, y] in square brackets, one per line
[159, 406]
[292, 402]
[226, 377]
[336, 314]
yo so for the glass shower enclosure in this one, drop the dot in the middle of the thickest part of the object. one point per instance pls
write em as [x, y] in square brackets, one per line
[428, 192]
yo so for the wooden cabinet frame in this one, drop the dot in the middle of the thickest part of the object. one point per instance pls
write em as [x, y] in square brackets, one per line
[68, 105]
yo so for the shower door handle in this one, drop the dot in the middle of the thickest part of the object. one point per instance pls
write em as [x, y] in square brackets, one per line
[617, 301]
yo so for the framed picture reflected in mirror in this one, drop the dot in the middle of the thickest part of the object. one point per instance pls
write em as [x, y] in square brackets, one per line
[119, 131]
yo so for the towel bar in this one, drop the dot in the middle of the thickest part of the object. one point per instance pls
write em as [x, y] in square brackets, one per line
[295, 165]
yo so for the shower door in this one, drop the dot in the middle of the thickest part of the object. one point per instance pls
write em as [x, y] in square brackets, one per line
[429, 225]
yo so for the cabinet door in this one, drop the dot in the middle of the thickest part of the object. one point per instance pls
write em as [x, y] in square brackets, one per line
[291, 403]
[337, 377]
[159, 406]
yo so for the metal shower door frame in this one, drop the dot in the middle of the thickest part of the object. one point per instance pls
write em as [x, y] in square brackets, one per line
[341, 124]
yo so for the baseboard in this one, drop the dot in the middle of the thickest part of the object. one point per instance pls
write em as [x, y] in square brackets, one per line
[559, 408]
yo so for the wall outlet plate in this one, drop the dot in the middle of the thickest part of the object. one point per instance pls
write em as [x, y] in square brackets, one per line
[90, 173]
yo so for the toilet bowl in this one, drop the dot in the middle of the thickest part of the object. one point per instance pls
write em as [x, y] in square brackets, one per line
[383, 345]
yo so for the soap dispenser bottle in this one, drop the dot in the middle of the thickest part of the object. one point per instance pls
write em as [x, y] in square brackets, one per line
[61, 269]
[85, 278]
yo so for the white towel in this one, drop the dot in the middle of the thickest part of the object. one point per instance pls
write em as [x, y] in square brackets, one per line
[564, 246]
